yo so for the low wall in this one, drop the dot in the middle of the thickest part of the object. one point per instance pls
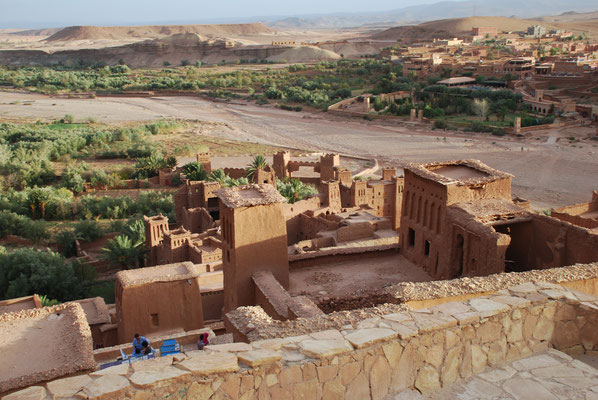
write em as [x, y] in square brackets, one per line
[423, 350]
[340, 255]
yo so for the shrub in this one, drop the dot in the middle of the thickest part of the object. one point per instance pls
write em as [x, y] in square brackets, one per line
[68, 119]
[88, 231]
[438, 124]
[65, 240]
[26, 271]
[19, 225]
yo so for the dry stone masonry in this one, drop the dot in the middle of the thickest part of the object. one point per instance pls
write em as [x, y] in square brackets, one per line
[421, 350]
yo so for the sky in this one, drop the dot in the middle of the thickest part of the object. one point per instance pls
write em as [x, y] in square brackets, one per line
[59, 13]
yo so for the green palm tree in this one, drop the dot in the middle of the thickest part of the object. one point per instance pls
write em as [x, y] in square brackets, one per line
[218, 175]
[123, 252]
[194, 171]
[259, 162]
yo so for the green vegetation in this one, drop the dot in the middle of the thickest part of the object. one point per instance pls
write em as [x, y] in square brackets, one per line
[24, 272]
[193, 171]
[258, 162]
[294, 190]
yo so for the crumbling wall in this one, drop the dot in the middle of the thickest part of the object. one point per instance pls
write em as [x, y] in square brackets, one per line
[359, 230]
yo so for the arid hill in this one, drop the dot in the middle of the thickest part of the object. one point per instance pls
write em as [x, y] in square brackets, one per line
[444, 28]
[37, 32]
[72, 33]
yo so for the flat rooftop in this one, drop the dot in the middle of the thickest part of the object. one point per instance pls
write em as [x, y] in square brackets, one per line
[488, 211]
[460, 172]
[161, 273]
[95, 310]
[250, 195]
[44, 343]
[19, 304]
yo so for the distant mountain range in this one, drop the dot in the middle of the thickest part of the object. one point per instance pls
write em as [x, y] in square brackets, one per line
[440, 10]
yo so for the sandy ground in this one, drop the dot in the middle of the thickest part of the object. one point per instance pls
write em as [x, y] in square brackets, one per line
[550, 172]
[344, 278]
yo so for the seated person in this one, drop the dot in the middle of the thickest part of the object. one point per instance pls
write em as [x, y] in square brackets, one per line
[203, 341]
[138, 344]
[147, 349]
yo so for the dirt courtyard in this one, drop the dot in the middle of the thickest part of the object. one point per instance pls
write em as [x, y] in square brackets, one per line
[549, 168]
[345, 278]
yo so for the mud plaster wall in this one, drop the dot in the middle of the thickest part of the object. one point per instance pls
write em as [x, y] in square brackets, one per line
[556, 243]
[158, 307]
[292, 214]
[355, 231]
[380, 357]
[254, 239]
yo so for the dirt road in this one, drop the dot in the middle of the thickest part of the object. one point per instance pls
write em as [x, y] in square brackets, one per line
[550, 174]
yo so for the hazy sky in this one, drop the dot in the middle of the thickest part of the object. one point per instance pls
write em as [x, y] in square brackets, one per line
[32, 13]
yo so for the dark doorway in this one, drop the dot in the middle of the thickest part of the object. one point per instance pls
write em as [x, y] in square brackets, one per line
[411, 237]
[459, 254]
[517, 255]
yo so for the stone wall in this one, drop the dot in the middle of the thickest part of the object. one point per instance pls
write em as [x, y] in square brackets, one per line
[423, 350]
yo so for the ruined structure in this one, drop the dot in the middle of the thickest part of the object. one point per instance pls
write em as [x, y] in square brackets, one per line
[254, 238]
[459, 219]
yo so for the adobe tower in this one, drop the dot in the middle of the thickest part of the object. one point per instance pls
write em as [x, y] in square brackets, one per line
[254, 238]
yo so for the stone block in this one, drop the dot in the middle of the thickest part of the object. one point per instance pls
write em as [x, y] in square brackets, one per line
[122, 369]
[359, 388]
[479, 360]
[527, 389]
[544, 329]
[106, 385]
[31, 393]
[398, 317]
[204, 363]
[231, 386]
[537, 361]
[380, 378]
[451, 308]
[290, 376]
[67, 387]
[450, 369]
[427, 380]
[524, 288]
[405, 330]
[255, 358]
[327, 372]
[467, 318]
[326, 335]
[512, 301]
[427, 322]
[487, 307]
[553, 294]
[489, 332]
[496, 375]
[348, 372]
[365, 337]
[333, 390]
[199, 391]
[392, 352]
[325, 348]
[231, 347]
[145, 378]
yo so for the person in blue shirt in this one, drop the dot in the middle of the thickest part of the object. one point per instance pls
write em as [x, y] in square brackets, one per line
[140, 343]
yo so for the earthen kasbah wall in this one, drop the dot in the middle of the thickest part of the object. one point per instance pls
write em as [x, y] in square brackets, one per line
[373, 359]
[159, 305]
[254, 238]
